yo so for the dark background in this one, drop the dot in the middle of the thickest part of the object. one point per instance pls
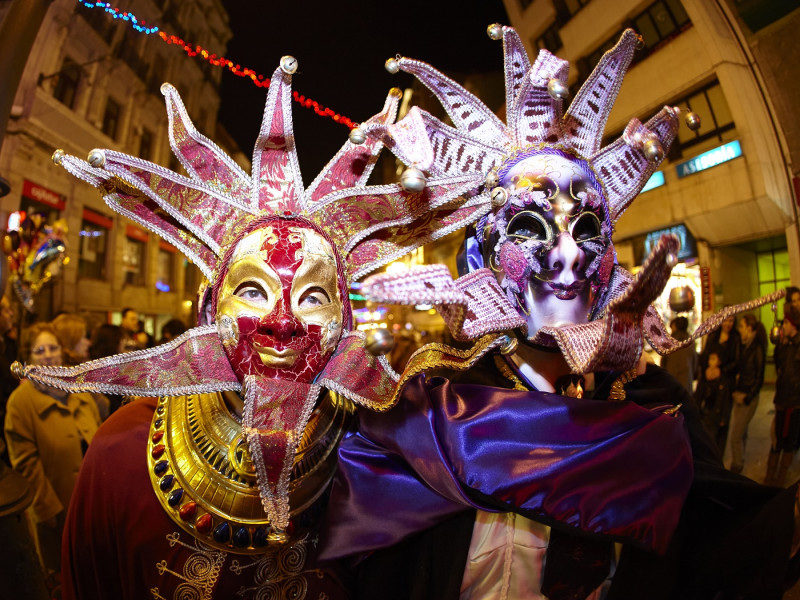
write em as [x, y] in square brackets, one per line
[341, 47]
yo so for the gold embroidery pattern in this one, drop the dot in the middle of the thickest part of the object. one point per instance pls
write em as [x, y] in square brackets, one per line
[278, 575]
[199, 574]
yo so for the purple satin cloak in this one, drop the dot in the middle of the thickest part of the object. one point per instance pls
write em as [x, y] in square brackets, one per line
[613, 469]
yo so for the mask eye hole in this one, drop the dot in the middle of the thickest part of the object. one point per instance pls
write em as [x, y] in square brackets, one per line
[586, 227]
[528, 226]
[252, 292]
[313, 297]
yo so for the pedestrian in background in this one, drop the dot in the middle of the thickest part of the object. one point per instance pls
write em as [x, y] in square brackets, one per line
[713, 398]
[48, 432]
[682, 364]
[726, 344]
[749, 379]
[786, 424]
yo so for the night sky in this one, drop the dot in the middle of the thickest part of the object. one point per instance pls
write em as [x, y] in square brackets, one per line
[341, 47]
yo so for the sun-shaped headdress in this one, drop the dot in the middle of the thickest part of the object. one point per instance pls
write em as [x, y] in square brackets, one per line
[205, 213]
[480, 146]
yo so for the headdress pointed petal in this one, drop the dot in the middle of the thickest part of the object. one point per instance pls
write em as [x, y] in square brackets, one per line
[277, 185]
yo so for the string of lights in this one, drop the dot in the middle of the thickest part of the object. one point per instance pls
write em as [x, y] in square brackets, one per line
[195, 50]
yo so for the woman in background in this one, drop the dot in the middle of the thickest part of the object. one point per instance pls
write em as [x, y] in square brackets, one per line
[48, 432]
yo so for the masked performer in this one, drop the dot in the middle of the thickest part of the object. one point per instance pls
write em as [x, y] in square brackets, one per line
[550, 462]
[213, 490]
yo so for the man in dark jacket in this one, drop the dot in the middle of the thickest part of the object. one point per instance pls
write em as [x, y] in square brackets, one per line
[787, 399]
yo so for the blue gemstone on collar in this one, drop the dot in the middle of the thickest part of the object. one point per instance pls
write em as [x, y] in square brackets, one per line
[174, 497]
[222, 532]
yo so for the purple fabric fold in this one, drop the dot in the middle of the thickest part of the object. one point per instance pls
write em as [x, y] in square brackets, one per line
[613, 469]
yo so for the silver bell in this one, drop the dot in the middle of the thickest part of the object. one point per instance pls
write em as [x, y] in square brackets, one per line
[693, 121]
[492, 180]
[97, 158]
[499, 197]
[557, 90]
[288, 64]
[392, 65]
[653, 149]
[775, 334]
[671, 260]
[357, 136]
[413, 180]
[58, 155]
[495, 31]
[379, 342]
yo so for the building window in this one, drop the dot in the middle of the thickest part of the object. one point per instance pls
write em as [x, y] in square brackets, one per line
[715, 116]
[111, 118]
[146, 145]
[94, 233]
[566, 9]
[134, 255]
[67, 83]
[660, 21]
[165, 273]
[773, 275]
[549, 40]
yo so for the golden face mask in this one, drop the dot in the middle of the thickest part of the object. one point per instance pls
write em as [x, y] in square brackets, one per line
[279, 307]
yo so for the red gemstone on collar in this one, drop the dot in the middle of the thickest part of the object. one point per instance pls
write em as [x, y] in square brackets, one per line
[188, 511]
[203, 523]
[157, 436]
[157, 451]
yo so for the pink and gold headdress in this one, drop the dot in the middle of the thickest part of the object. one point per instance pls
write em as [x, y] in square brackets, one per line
[204, 215]
[480, 146]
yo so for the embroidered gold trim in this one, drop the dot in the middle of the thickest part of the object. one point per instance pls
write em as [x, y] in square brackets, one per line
[203, 476]
[506, 372]
[617, 393]
[438, 356]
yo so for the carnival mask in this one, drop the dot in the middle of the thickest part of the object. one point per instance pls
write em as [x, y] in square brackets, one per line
[550, 244]
[279, 306]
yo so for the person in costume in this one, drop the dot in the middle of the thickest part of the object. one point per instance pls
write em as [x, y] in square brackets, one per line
[214, 489]
[548, 460]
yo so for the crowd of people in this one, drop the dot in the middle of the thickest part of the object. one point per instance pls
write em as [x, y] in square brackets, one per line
[47, 431]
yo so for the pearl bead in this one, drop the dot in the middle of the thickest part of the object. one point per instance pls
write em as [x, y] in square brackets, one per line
[413, 180]
[693, 121]
[357, 136]
[495, 31]
[392, 65]
[556, 89]
[97, 158]
[289, 64]
[653, 149]
[671, 260]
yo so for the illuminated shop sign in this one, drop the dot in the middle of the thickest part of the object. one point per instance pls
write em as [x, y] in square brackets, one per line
[644, 244]
[709, 159]
[656, 180]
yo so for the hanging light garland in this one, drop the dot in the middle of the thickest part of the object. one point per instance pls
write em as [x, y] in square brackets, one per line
[195, 50]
